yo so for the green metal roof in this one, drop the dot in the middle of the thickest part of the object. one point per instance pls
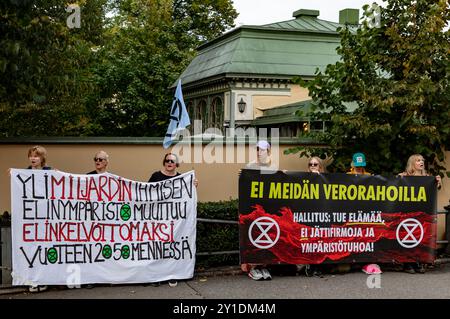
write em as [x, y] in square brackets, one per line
[306, 20]
[284, 114]
[278, 50]
[287, 113]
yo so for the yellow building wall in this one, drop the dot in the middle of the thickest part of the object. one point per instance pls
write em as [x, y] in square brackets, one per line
[217, 181]
[264, 102]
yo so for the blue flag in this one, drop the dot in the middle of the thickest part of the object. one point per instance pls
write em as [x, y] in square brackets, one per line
[179, 117]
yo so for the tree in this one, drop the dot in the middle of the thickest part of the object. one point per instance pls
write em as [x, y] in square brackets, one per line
[147, 45]
[397, 73]
[44, 67]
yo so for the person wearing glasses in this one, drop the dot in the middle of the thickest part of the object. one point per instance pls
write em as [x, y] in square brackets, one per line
[315, 165]
[101, 161]
[170, 165]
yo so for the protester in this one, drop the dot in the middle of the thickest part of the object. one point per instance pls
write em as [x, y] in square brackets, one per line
[262, 162]
[358, 167]
[170, 165]
[315, 165]
[101, 161]
[416, 167]
[263, 156]
[37, 155]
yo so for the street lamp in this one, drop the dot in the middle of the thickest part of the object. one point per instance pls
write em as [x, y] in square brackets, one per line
[241, 105]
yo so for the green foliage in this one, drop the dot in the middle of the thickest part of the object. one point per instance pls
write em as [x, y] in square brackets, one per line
[43, 69]
[205, 19]
[148, 44]
[397, 75]
[109, 77]
[215, 236]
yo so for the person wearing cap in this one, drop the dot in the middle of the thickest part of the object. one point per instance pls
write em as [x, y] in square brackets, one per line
[359, 168]
[263, 161]
[358, 165]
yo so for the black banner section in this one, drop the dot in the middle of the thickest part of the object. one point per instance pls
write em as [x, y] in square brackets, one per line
[306, 218]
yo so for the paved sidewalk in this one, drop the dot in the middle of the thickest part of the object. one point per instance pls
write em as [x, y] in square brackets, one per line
[434, 284]
[200, 274]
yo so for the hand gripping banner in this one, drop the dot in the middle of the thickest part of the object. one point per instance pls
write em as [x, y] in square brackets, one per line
[78, 229]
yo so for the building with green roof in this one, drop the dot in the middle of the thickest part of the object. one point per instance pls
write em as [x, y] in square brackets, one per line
[237, 78]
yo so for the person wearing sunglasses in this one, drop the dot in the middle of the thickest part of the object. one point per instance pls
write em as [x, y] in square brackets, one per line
[101, 160]
[170, 165]
[315, 165]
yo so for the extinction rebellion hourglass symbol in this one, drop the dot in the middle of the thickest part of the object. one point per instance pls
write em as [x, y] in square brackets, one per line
[259, 231]
[409, 240]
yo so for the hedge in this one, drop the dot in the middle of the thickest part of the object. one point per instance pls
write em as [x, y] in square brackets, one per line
[214, 237]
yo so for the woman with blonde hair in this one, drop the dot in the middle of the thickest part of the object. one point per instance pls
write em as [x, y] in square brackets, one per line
[315, 165]
[37, 155]
[416, 167]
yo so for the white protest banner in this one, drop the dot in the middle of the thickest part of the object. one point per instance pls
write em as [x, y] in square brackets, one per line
[101, 228]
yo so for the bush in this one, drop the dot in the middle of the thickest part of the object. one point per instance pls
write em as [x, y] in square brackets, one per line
[214, 237]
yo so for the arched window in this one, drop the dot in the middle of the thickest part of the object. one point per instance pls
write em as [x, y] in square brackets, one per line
[200, 112]
[216, 113]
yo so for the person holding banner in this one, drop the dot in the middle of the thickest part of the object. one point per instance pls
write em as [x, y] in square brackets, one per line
[315, 165]
[37, 155]
[358, 167]
[170, 165]
[263, 161]
[416, 167]
[101, 160]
